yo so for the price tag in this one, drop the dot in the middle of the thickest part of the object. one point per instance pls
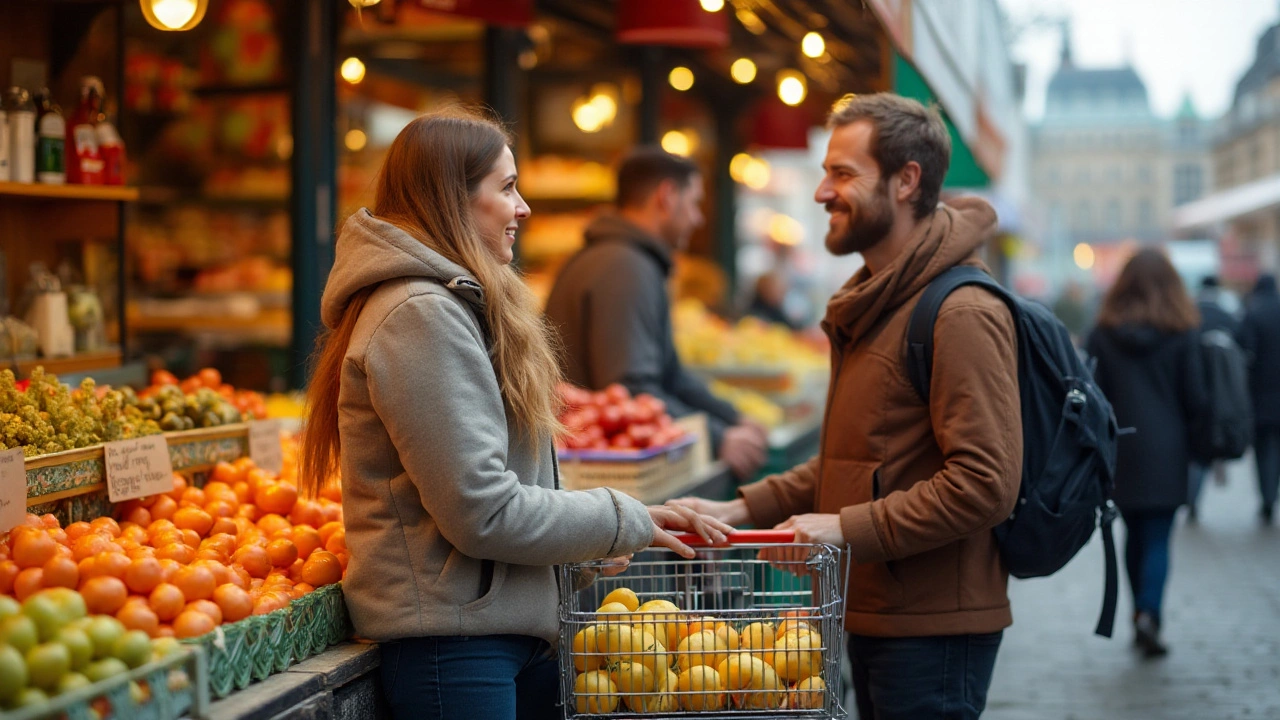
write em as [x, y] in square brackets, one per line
[264, 445]
[13, 489]
[138, 468]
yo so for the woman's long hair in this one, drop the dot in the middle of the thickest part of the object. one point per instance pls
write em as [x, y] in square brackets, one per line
[425, 187]
[1149, 292]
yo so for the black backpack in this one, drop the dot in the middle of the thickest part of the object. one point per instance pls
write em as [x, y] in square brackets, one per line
[1224, 430]
[1068, 438]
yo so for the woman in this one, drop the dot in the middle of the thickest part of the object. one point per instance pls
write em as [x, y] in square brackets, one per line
[434, 392]
[1147, 349]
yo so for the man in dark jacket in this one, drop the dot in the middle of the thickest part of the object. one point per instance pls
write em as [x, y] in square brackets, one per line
[611, 306]
[1260, 339]
[1214, 315]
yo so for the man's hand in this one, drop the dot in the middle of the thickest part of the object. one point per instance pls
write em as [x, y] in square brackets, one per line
[732, 512]
[679, 517]
[809, 529]
[744, 448]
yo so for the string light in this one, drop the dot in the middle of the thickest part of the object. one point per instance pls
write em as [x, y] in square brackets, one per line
[355, 140]
[352, 70]
[1084, 256]
[681, 78]
[792, 87]
[712, 5]
[173, 14]
[813, 45]
[742, 71]
[679, 143]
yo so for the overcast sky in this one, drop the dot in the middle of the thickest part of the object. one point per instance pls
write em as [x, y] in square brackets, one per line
[1177, 46]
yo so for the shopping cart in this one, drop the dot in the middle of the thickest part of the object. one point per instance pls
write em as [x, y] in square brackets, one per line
[730, 633]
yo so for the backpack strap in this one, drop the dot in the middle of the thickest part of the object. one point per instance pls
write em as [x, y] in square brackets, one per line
[1111, 587]
[925, 314]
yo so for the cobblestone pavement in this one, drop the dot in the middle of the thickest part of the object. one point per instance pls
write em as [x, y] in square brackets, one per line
[1222, 623]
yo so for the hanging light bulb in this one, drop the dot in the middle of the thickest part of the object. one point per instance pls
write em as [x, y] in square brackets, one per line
[589, 115]
[358, 4]
[678, 143]
[352, 70]
[742, 71]
[681, 78]
[756, 174]
[173, 15]
[792, 87]
[355, 140]
[713, 5]
[738, 167]
[813, 45]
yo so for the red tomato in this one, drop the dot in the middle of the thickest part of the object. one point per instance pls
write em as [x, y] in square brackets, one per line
[163, 377]
[642, 435]
[617, 393]
[622, 441]
[612, 420]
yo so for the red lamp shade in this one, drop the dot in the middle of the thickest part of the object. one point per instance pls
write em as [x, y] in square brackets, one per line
[512, 13]
[781, 126]
[677, 23]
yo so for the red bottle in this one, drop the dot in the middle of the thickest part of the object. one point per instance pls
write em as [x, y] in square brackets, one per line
[84, 157]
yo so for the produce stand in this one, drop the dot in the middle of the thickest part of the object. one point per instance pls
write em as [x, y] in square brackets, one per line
[178, 687]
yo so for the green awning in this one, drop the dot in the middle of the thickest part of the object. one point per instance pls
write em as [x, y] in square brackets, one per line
[965, 172]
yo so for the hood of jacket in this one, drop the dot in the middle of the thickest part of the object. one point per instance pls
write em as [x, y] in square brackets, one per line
[371, 251]
[1137, 339]
[611, 227]
[950, 236]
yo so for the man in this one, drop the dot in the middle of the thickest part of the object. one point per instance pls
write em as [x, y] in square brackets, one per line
[1260, 340]
[913, 489]
[1214, 315]
[611, 306]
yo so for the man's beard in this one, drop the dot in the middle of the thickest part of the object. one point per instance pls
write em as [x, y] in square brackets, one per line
[867, 228]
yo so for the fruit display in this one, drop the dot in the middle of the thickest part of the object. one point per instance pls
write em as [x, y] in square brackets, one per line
[652, 657]
[613, 420]
[201, 400]
[41, 415]
[750, 403]
[705, 340]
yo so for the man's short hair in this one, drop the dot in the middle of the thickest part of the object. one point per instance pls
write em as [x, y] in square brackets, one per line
[647, 167]
[904, 130]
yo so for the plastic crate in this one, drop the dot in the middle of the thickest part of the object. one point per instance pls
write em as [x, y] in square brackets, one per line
[178, 687]
[642, 474]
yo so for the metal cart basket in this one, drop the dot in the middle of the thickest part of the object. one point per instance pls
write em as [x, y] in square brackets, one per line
[753, 629]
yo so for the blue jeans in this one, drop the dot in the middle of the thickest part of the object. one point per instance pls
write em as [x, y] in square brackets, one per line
[923, 678]
[503, 677]
[1266, 450]
[1146, 556]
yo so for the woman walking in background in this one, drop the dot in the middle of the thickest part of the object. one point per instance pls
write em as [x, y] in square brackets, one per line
[1149, 366]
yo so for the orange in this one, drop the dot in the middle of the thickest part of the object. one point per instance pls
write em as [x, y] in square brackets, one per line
[27, 582]
[114, 564]
[163, 508]
[106, 523]
[234, 602]
[162, 631]
[332, 512]
[192, 624]
[243, 492]
[305, 588]
[33, 549]
[76, 529]
[225, 472]
[276, 497]
[328, 529]
[295, 570]
[273, 523]
[8, 572]
[322, 568]
[61, 572]
[141, 551]
[158, 526]
[306, 512]
[191, 538]
[220, 508]
[136, 533]
[88, 568]
[332, 491]
[223, 526]
[243, 463]
[167, 601]
[170, 568]
[49, 521]
[307, 539]
[168, 537]
[248, 511]
[59, 536]
[195, 582]
[104, 595]
[193, 497]
[240, 577]
[257, 477]
[208, 607]
[282, 552]
[138, 515]
[180, 486]
[337, 542]
[206, 553]
[270, 602]
[221, 573]
[193, 518]
[179, 552]
[253, 559]
[139, 616]
[143, 575]
[216, 490]
[343, 558]
[223, 542]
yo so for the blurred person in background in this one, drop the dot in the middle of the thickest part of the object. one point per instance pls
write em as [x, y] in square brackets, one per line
[1072, 308]
[768, 302]
[611, 305]
[1260, 339]
[1215, 314]
[1147, 350]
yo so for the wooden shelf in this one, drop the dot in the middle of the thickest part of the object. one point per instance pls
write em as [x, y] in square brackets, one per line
[269, 319]
[70, 192]
[85, 362]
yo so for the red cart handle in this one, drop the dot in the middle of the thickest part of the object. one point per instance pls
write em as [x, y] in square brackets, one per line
[743, 537]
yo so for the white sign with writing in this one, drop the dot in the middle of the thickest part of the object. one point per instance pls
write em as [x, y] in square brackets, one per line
[13, 489]
[138, 468]
[264, 445]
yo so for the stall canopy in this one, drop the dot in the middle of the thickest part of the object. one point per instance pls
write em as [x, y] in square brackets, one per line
[1229, 204]
[965, 172]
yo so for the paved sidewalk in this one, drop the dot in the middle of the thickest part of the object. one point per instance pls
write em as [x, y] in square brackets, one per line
[1222, 623]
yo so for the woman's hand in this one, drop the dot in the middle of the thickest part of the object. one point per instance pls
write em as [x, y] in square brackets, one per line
[615, 566]
[679, 517]
[733, 512]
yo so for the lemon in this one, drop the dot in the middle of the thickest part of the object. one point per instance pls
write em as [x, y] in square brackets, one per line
[623, 596]
[585, 649]
[796, 656]
[808, 693]
[595, 692]
[757, 637]
[700, 689]
[701, 648]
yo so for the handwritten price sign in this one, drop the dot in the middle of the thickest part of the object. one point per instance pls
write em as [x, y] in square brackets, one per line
[138, 468]
[13, 489]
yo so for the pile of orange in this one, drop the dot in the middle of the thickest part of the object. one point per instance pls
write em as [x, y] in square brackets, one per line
[181, 563]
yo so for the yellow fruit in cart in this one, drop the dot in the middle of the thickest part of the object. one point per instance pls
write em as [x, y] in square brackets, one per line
[757, 637]
[737, 669]
[635, 683]
[763, 690]
[787, 626]
[699, 689]
[797, 656]
[730, 636]
[585, 649]
[808, 693]
[624, 643]
[623, 596]
[702, 648]
[612, 612]
[595, 692]
[663, 619]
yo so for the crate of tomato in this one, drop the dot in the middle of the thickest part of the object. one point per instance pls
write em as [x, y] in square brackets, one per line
[623, 442]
